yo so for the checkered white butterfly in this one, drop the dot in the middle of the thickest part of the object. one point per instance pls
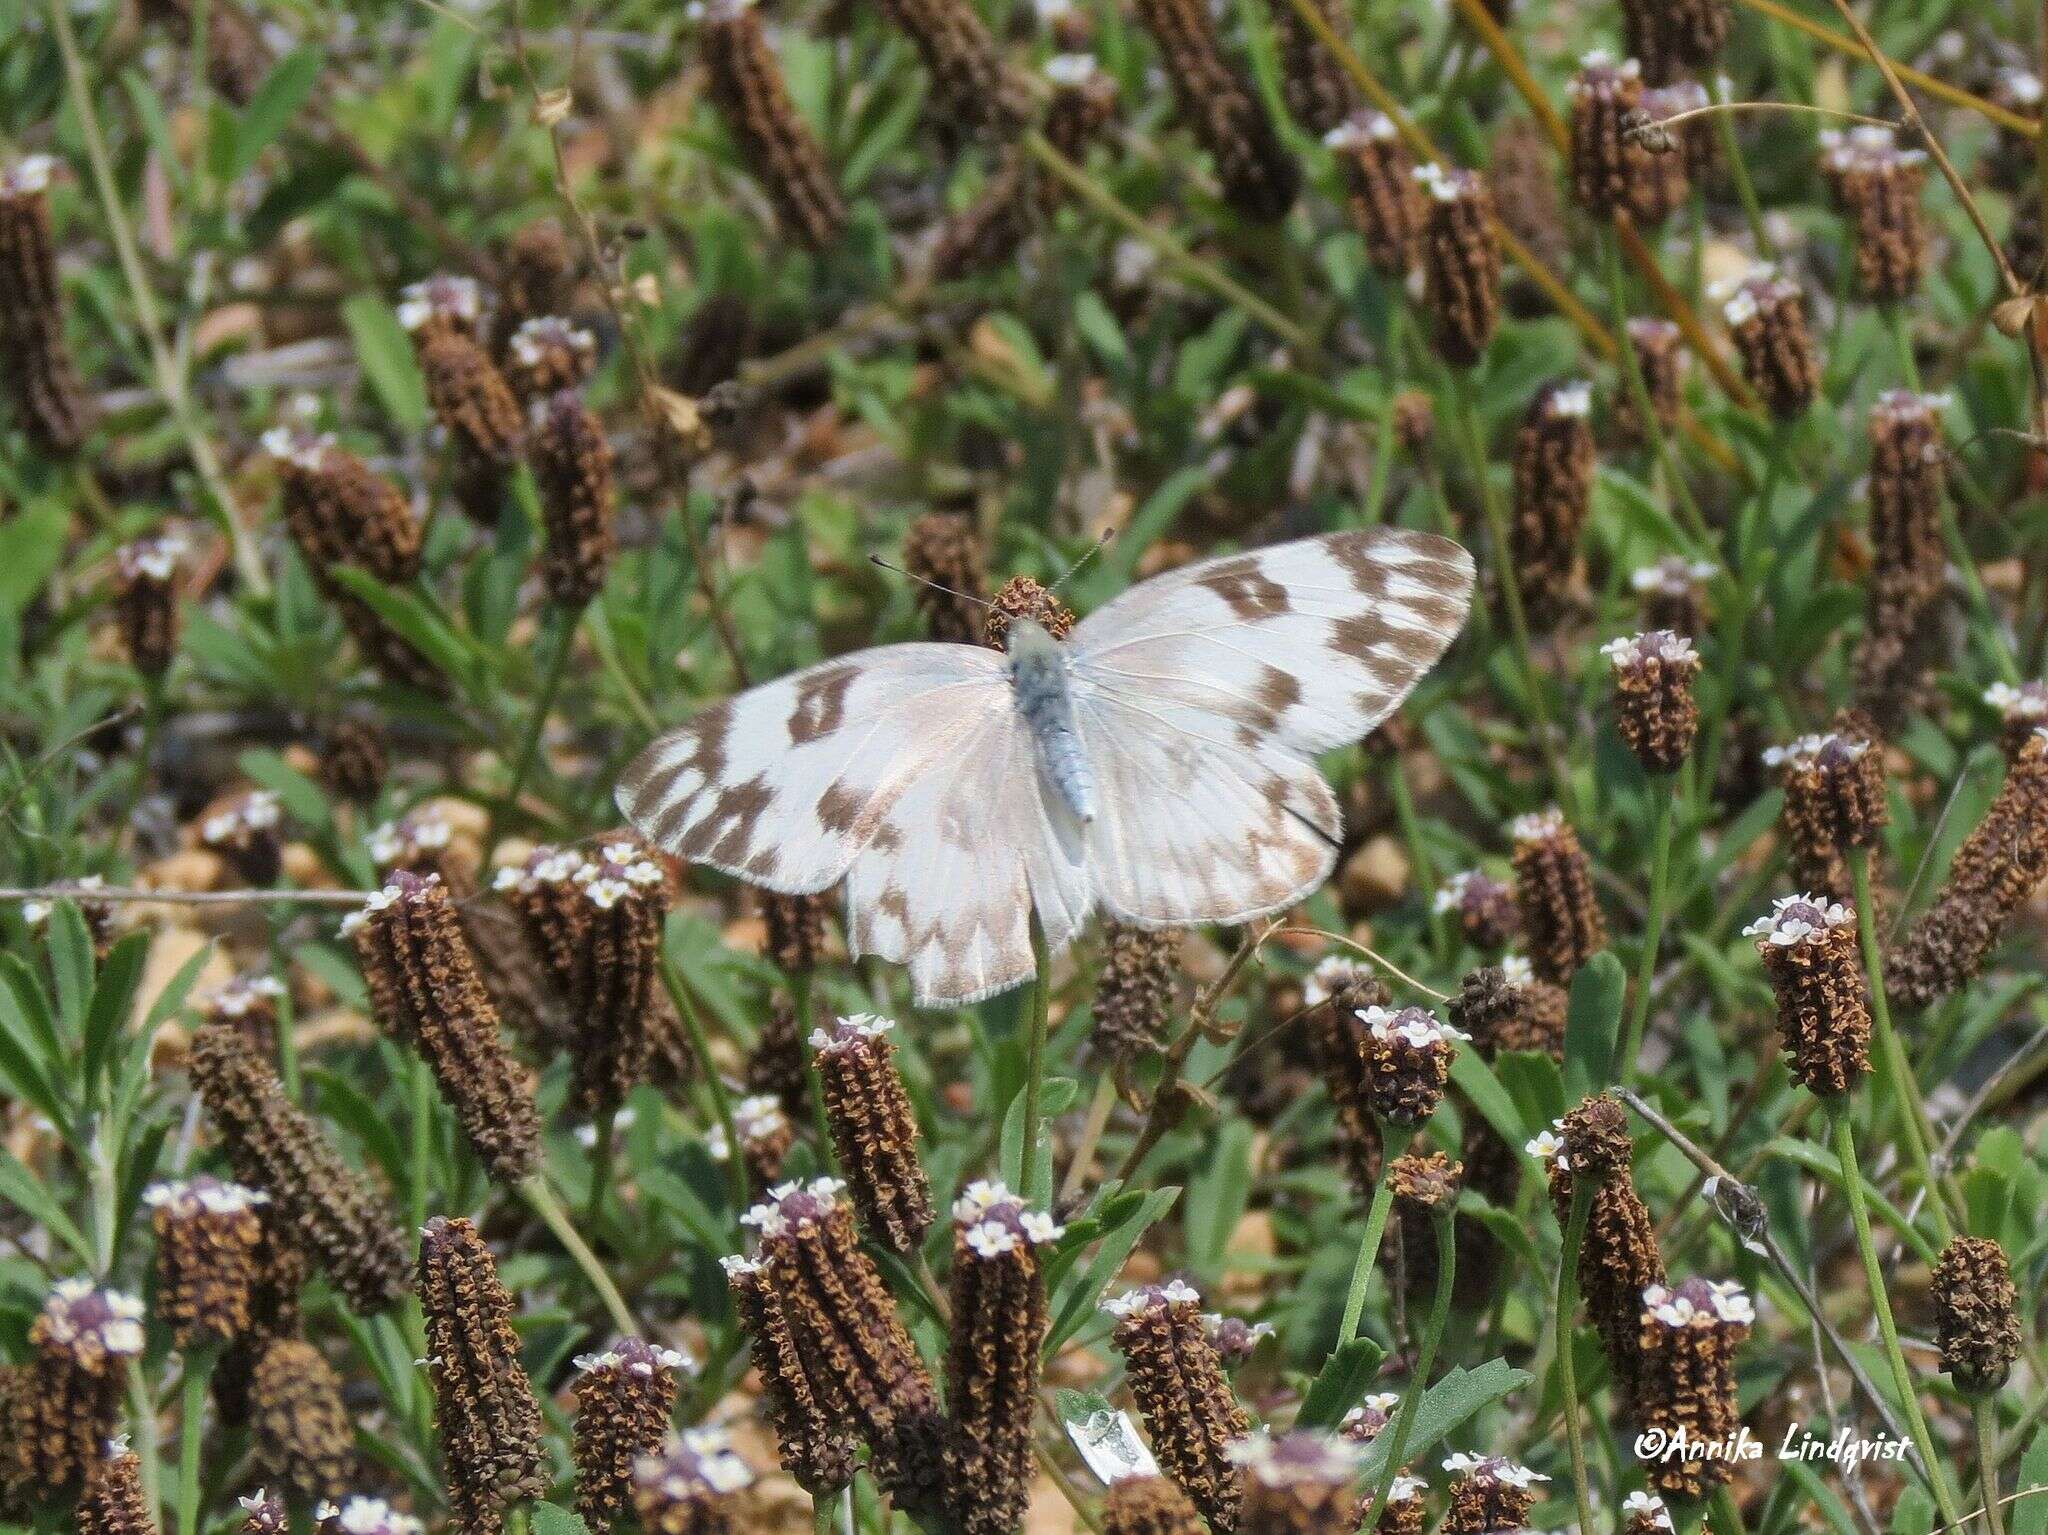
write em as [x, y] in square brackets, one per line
[1159, 763]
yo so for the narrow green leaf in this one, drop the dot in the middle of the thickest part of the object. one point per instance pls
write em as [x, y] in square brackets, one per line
[20, 1188]
[1080, 1296]
[2029, 1515]
[1446, 1405]
[276, 102]
[385, 353]
[1593, 1025]
[113, 999]
[1340, 1385]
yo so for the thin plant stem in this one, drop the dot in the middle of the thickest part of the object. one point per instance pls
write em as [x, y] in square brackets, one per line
[1394, 1141]
[1893, 1069]
[1445, 1222]
[1383, 426]
[1984, 1411]
[1034, 1055]
[1631, 367]
[536, 725]
[422, 1086]
[1511, 591]
[1667, 795]
[1723, 1513]
[170, 381]
[721, 1100]
[199, 1365]
[1880, 1302]
[1738, 167]
[601, 1164]
[814, 1090]
[1567, 1370]
[543, 1202]
[1100, 1106]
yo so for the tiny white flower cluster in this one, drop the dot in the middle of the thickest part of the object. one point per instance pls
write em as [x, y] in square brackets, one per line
[460, 297]
[619, 871]
[1569, 401]
[1411, 1025]
[2029, 701]
[1361, 129]
[1379, 1403]
[770, 1217]
[1906, 405]
[258, 810]
[1071, 69]
[1151, 1298]
[1493, 1468]
[31, 173]
[156, 558]
[1537, 826]
[1796, 918]
[1647, 1505]
[531, 341]
[1808, 750]
[1332, 976]
[1657, 645]
[736, 1265]
[849, 1031]
[386, 898]
[1723, 1301]
[1446, 186]
[367, 1516]
[1742, 299]
[1289, 1460]
[1672, 576]
[1517, 971]
[753, 1118]
[425, 830]
[36, 913]
[548, 866]
[1403, 1489]
[642, 1361]
[237, 998]
[698, 1461]
[1865, 147]
[1548, 1146]
[90, 1321]
[2017, 87]
[1598, 59]
[300, 448]
[203, 1195]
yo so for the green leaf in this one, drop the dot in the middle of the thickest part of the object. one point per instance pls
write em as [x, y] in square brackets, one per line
[20, 1188]
[1340, 1384]
[417, 623]
[1476, 1081]
[276, 102]
[113, 999]
[1592, 1029]
[71, 964]
[550, 1520]
[1080, 1295]
[1445, 1406]
[32, 544]
[384, 352]
[1216, 1200]
[303, 800]
[2029, 1515]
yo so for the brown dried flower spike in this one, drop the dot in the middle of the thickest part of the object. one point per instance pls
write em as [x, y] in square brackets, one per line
[1554, 466]
[1766, 314]
[1879, 183]
[488, 1420]
[1668, 35]
[1386, 202]
[747, 87]
[1491, 1494]
[113, 1502]
[425, 989]
[1672, 594]
[207, 1236]
[1612, 169]
[1976, 1314]
[942, 552]
[819, 1452]
[1301, 1483]
[50, 401]
[1408, 1062]
[146, 600]
[1000, 1318]
[1460, 264]
[1134, 990]
[1909, 574]
[571, 459]
[66, 1406]
[765, 1135]
[1654, 705]
[1483, 906]
[874, 1130]
[549, 354]
[692, 1486]
[970, 79]
[1689, 1338]
[624, 1397]
[1149, 1505]
[1504, 1007]
[1834, 802]
[301, 1430]
[1260, 178]
[1812, 955]
[1190, 1411]
[1561, 922]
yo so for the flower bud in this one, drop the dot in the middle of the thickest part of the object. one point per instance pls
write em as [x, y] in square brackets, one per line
[67, 1403]
[426, 992]
[207, 1236]
[485, 1413]
[1995, 872]
[1484, 907]
[1460, 264]
[1612, 169]
[113, 1502]
[273, 1146]
[1190, 1412]
[624, 1397]
[478, 410]
[1022, 597]
[1000, 1319]
[1976, 1315]
[1504, 1007]
[1561, 922]
[1834, 802]
[1672, 596]
[301, 1432]
[747, 87]
[874, 1130]
[1260, 178]
[1408, 1062]
[1134, 990]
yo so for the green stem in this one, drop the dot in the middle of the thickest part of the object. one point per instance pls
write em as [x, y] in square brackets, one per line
[199, 1365]
[1445, 1221]
[423, 1095]
[1985, 1411]
[1902, 1378]
[1383, 426]
[1666, 794]
[1100, 1106]
[601, 1164]
[721, 1100]
[1631, 367]
[1034, 1058]
[821, 1123]
[1738, 169]
[1567, 1368]
[1723, 1513]
[1510, 588]
[1394, 1141]
[543, 703]
[541, 1198]
[1894, 1071]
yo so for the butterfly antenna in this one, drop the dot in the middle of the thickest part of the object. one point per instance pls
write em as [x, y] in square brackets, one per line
[1075, 568]
[980, 602]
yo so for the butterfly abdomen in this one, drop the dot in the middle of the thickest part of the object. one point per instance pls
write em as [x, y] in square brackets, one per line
[1038, 678]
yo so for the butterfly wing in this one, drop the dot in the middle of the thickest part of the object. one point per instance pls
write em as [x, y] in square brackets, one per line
[948, 883]
[1203, 697]
[785, 784]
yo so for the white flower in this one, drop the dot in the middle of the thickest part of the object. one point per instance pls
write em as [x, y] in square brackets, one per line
[1795, 918]
[1536, 826]
[1150, 1298]
[1332, 976]
[1547, 1146]
[1071, 69]
[850, 1031]
[31, 173]
[1411, 1025]
[1573, 399]
[1402, 1488]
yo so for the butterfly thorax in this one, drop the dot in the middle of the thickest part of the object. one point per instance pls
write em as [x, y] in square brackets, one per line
[1039, 682]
